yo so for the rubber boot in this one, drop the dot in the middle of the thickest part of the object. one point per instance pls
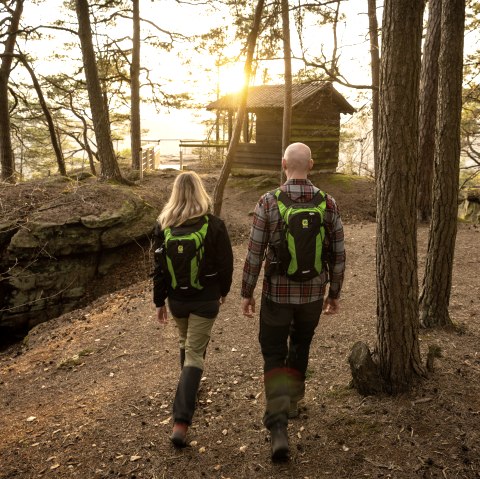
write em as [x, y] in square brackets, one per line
[186, 395]
[279, 439]
[179, 434]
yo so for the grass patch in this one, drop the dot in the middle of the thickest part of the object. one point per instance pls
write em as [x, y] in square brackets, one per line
[260, 182]
[345, 181]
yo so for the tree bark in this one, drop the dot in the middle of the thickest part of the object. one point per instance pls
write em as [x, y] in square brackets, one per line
[101, 125]
[365, 372]
[437, 285]
[397, 284]
[7, 158]
[287, 103]
[135, 130]
[375, 69]
[428, 110]
[233, 145]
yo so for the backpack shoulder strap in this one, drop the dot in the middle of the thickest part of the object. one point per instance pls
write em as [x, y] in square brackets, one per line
[318, 198]
[280, 195]
[283, 197]
[200, 223]
[283, 201]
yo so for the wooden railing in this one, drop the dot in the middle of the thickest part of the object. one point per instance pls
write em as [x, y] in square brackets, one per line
[203, 144]
[183, 144]
[151, 159]
[148, 158]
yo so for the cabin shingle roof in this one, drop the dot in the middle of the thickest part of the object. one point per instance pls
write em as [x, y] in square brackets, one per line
[271, 96]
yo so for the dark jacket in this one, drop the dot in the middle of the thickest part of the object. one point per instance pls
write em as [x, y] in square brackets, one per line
[218, 258]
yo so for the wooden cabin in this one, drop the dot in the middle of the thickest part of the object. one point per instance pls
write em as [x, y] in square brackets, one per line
[316, 109]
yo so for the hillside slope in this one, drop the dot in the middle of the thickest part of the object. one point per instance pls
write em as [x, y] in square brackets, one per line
[89, 394]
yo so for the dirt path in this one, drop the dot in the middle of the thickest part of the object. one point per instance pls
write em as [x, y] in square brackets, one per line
[90, 394]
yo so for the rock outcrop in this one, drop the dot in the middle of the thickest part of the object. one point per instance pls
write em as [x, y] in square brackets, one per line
[51, 256]
[469, 205]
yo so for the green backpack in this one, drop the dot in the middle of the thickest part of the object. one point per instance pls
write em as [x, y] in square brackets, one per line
[300, 249]
[183, 254]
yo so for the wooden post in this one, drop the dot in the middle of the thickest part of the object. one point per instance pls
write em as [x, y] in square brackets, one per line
[151, 159]
[156, 158]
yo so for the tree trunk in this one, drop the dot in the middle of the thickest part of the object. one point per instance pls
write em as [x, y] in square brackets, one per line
[89, 151]
[86, 143]
[135, 130]
[232, 147]
[397, 284]
[375, 69]
[428, 110]
[6, 151]
[435, 297]
[51, 127]
[108, 161]
[7, 159]
[287, 103]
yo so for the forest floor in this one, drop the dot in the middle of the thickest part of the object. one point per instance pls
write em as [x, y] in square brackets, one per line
[89, 394]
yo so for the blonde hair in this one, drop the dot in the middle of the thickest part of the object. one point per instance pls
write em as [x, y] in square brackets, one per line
[188, 200]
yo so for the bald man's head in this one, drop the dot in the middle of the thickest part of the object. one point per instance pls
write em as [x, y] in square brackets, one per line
[297, 160]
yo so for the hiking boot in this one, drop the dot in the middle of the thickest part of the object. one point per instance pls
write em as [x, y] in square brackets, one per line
[294, 411]
[279, 440]
[179, 434]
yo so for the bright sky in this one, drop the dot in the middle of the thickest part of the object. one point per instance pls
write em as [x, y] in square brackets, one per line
[352, 35]
[199, 77]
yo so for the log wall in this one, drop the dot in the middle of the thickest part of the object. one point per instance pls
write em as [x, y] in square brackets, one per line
[320, 130]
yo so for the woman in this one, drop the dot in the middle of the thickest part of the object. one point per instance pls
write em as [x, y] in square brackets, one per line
[193, 269]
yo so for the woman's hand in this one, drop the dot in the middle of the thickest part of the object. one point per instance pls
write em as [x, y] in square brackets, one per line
[162, 316]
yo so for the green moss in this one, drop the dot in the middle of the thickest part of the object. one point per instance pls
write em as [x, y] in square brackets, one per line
[75, 360]
[255, 182]
[70, 363]
[348, 182]
[85, 352]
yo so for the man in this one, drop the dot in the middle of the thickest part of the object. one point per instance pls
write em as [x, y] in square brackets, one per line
[290, 310]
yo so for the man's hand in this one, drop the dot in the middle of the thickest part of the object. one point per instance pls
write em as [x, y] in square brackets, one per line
[248, 307]
[222, 299]
[331, 306]
[162, 316]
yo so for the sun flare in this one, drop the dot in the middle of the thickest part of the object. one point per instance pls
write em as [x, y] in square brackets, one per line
[231, 78]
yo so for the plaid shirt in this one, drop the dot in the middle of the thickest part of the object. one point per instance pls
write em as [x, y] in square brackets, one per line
[266, 229]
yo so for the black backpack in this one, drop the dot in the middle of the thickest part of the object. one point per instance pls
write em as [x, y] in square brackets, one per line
[298, 255]
[183, 255]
